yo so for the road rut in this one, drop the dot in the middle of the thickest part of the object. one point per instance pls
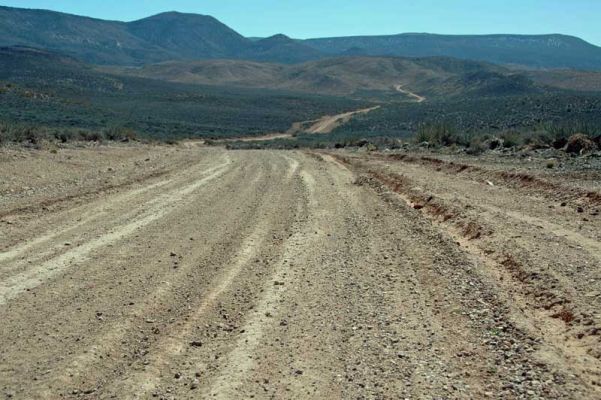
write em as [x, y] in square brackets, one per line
[265, 274]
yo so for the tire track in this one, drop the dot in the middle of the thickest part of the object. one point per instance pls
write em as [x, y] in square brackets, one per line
[90, 214]
[142, 383]
[120, 335]
[158, 208]
[239, 360]
[273, 274]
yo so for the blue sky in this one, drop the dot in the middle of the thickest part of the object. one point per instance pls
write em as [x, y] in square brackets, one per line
[319, 18]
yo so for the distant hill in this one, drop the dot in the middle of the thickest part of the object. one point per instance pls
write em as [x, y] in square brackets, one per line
[583, 81]
[166, 36]
[536, 51]
[431, 77]
[47, 89]
[282, 49]
[41, 69]
[29, 61]
[357, 76]
[179, 36]
[91, 40]
[207, 72]
[190, 36]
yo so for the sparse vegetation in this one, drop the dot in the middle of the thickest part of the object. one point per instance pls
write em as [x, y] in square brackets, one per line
[558, 114]
[48, 90]
[89, 105]
[489, 124]
[161, 110]
[320, 141]
[477, 146]
[440, 134]
[11, 132]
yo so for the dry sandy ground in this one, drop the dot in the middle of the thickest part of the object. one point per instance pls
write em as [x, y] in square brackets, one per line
[192, 272]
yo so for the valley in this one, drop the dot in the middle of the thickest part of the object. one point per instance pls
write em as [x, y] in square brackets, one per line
[187, 212]
[49, 93]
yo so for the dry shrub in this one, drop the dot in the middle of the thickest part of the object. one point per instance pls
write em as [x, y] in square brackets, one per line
[579, 144]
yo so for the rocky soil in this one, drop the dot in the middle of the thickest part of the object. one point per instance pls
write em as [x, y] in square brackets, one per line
[177, 272]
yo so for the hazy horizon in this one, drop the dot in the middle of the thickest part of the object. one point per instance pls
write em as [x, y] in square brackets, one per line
[326, 18]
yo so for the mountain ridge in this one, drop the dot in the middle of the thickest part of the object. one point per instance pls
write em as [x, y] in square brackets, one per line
[538, 51]
[185, 36]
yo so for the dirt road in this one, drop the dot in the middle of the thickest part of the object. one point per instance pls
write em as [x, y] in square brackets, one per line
[164, 272]
[416, 97]
[323, 125]
[330, 122]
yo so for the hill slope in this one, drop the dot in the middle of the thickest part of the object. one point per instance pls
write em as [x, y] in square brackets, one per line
[48, 89]
[166, 36]
[41, 69]
[538, 51]
[583, 81]
[280, 48]
[189, 35]
[178, 36]
[349, 76]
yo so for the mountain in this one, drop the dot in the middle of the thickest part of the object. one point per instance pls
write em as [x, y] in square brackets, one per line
[190, 36]
[27, 61]
[280, 48]
[361, 76]
[89, 39]
[166, 36]
[535, 51]
[179, 36]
